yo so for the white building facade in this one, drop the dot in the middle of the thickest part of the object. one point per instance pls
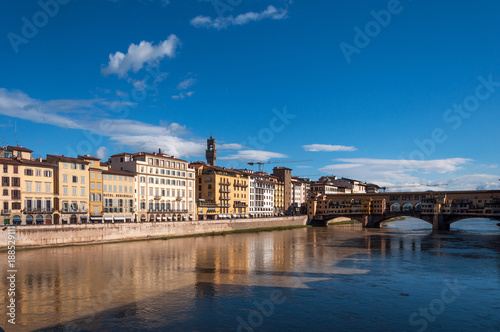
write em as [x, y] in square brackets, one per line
[164, 185]
[261, 199]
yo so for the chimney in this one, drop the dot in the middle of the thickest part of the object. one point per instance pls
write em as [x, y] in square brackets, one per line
[159, 150]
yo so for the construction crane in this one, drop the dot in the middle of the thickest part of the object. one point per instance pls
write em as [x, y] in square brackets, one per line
[426, 185]
[260, 163]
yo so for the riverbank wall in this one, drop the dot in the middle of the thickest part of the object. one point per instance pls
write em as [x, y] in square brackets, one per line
[58, 235]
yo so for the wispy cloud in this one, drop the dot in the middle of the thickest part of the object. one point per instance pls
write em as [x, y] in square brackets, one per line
[101, 153]
[186, 84]
[327, 148]
[253, 155]
[230, 146]
[139, 55]
[183, 95]
[219, 23]
[393, 171]
[93, 116]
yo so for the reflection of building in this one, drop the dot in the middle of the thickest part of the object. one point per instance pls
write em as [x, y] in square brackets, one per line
[221, 192]
[165, 185]
[71, 188]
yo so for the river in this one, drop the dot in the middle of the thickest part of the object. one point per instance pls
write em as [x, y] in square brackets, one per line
[401, 277]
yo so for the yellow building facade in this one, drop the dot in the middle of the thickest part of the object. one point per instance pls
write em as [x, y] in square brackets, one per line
[71, 189]
[221, 193]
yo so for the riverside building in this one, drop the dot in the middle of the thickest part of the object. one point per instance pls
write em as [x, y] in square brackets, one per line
[71, 190]
[164, 185]
[221, 193]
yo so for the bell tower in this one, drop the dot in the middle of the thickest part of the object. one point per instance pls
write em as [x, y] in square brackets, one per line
[211, 153]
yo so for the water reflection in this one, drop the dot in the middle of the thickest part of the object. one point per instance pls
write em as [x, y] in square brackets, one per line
[341, 276]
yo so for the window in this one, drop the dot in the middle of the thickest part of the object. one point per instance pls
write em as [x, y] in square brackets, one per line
[6, 192]
[5, 181]
[5, 168]
[82, 191]
[105, 188]
[65, 190]
[82, 167]
[47, 174]
[74, 191]
[92, 185]
[16, 194]
[73, 166]
[99, 176]
[65, 178]
[65, 165]
[98, 186]
[28, 172]
[38, 187]
[38, 172]
[82, 179]
[48, 186]
[92, 175]
[75, 179]
[29, 186]
[16, 169]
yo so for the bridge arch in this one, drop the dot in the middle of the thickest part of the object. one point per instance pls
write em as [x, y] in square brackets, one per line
[418, 207]
[407, 207]
[395, 207]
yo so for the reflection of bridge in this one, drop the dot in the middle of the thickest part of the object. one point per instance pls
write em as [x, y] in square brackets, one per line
[438, 208]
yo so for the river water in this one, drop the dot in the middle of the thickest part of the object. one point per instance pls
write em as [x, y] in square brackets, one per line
[401, 277]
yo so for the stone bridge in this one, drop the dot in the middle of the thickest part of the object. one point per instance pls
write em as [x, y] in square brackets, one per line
[440, 209]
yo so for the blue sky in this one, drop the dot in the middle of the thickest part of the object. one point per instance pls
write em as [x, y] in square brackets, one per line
[400, 93]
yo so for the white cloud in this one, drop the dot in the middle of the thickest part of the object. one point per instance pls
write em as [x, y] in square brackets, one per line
[475, 182]
[185, 84]
[101, 153]
[328, 148]
[253, 155]
[230, 146]
[183, 95]
[394, 172]
[92, 116]
[138, 55]
[172, 145]
[219, 23]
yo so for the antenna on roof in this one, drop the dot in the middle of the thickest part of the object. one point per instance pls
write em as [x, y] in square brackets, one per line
[15, 132]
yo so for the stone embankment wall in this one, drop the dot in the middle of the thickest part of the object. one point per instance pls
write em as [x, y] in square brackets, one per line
[54, 235]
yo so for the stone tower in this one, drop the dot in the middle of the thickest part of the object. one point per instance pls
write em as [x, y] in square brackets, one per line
[211, 153]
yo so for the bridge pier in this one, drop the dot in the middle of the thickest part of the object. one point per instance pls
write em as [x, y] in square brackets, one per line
[439, 224]
[370, 221]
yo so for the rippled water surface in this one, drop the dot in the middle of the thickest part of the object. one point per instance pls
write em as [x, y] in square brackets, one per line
[401, 277]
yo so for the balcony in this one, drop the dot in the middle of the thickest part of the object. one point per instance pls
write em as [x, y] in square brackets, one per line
[240, 204]
[4, 212]
[224, 190]
[31, 210]
[179, 198]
